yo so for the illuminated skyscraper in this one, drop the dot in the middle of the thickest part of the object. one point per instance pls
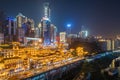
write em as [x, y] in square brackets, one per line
[29, 28]
[11, 26]
[47, 30]
[63, 37]
[40, 30]
[37, 32]
[45, 25]
[107, 44]
[25, 27]
[20, 23]
[83, 33]
[68, 29]
[20, 20]
[10, 29]
[47, 10]
[53, 31]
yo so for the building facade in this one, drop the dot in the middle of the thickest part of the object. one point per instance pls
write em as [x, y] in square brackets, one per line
[62, 37]
[10, 30]
[46, 24]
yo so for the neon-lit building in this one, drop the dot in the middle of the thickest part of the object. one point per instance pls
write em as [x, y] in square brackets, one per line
[46, 31]
[21, 19]
[25, 27]
[83, 33]
[107, 45]
[29, 28]
[46, 24]
[47, 10]
[20, 35]
[21, 27]
[68, 30]
[63, 37]
[1, 38]
[53, 31]
[10, 30]
[37, 32]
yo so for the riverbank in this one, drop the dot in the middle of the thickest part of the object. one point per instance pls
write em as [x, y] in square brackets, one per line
[95, 66]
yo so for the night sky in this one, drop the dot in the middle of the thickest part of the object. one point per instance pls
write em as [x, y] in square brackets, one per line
[100, 17]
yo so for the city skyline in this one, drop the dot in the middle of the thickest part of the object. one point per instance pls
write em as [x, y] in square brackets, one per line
[99, 17]
[59, 40]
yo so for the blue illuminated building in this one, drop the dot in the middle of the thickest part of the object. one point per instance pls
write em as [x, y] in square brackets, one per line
[68, 29]
[83, 33]
[46, 31]
[45, 23]
[10, 29]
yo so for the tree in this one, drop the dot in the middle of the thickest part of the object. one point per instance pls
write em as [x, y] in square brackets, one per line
[87, 67]
[92, 47]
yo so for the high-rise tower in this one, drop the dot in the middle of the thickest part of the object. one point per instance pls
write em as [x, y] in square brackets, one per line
[47, 30]
[10, 30]
[45, 25]
[47, 10]
[20, 20]
[83, 33]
